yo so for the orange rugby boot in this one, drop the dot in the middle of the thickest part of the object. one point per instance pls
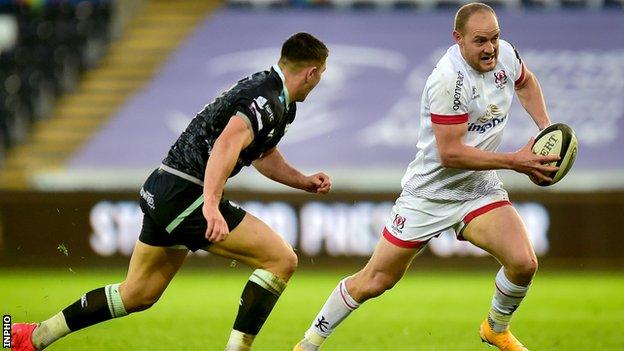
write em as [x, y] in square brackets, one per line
[505, 341]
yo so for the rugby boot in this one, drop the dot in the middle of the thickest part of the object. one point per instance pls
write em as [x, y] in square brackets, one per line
[21, 336]
[505, 341]
[303, 345]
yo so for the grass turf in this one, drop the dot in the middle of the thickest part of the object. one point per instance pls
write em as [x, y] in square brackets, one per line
[427, 310]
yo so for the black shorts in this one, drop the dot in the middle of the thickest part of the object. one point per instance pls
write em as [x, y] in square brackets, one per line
[172, 212]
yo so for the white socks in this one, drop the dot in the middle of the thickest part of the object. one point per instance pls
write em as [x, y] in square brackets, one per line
[337, 307]
[507, 298]
[239, 341]
[49, 331]
[340, 304]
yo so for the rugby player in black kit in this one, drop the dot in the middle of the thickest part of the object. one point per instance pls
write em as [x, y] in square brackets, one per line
[184, 209]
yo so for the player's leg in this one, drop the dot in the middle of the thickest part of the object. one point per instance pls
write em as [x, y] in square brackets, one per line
[385, 268]
[411, 224]
[254, 243]
[150, 271]
[502, 233]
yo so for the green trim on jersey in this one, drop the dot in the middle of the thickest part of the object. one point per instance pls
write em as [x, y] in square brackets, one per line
[184, 214]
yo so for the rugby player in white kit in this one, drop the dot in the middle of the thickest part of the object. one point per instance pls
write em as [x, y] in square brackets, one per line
[452, 183]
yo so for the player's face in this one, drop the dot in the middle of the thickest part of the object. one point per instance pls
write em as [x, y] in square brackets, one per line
[479, 43]
[313, 79]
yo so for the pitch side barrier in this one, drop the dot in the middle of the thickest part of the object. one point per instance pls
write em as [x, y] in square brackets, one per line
[77, 229]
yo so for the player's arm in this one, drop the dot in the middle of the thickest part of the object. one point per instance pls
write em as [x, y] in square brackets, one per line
[455, 154]
[273, 166]
[530, 95]
[235, 137]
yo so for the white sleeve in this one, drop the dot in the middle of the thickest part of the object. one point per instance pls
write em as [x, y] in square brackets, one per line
[519, 70]
[448, 98]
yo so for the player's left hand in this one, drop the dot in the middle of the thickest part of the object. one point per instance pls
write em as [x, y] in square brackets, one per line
[317, 183]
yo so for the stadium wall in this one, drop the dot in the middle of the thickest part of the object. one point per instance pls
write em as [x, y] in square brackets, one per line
[78, 229]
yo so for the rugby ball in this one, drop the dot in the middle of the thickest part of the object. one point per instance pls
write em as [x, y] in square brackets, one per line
[556, 139]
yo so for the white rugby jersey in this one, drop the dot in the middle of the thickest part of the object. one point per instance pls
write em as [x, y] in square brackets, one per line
[455, 93]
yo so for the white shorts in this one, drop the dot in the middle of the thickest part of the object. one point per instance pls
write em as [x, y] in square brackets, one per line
[414, 220]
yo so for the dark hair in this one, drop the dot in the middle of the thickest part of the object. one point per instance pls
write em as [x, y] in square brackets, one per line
[464, 13]
[303, 48]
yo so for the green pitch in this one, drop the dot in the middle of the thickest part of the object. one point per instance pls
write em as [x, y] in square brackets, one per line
[427, 310]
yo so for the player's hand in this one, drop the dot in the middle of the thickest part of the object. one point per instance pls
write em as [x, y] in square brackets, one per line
[525, 161]
[317, 183]
[217, 229]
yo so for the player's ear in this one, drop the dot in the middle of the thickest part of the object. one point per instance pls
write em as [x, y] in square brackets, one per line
[458, 37]
[310, 72]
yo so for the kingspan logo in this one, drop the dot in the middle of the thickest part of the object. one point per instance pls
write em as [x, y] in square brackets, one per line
[482, 128]
[457, 93]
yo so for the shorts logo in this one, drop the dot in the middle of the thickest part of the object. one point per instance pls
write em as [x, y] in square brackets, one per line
[500, 78]
[148, 197]
[398, 223]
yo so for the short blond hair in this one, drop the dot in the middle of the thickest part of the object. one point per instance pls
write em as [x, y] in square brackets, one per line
[463, 14]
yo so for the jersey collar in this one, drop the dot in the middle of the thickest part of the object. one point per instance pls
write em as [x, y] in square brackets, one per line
[285, 96]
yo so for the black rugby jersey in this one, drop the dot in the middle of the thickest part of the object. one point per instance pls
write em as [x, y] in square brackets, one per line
[261, 98]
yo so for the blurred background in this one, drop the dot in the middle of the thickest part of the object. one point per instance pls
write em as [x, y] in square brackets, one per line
[94, 93]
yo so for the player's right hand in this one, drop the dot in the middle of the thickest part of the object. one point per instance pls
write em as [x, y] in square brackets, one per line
[534, 165]
[317, 183]
[216, 229]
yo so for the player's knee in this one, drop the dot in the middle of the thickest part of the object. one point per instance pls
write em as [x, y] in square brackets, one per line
[530, 266]
[289, 262]
[283, 263]
[137, 299]
[145, 301]
[525, 268]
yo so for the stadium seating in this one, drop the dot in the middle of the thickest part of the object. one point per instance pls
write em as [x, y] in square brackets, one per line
[45, 46]
[426, 4]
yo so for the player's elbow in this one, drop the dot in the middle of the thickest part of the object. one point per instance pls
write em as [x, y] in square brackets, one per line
[449, 158]
[446, 161]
